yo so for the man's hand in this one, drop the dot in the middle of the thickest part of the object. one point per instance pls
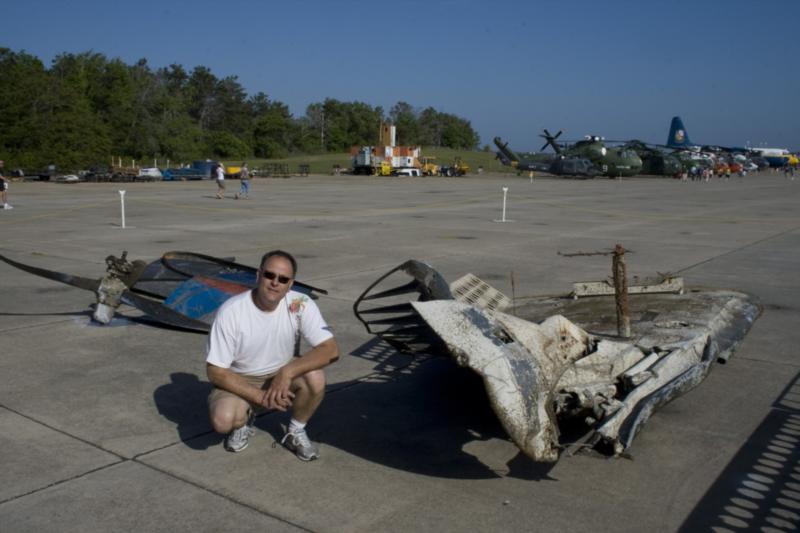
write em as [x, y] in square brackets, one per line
[278, 395]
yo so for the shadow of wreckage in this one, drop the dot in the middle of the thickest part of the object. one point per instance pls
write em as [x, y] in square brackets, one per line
[544, 375]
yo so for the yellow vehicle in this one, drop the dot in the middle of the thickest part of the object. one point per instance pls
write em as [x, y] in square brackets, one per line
[384, 169]
[458, 168]
[461, 168]
[429, 166]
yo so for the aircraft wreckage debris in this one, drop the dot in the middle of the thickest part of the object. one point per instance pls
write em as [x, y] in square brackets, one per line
[181, 289]
[555, 364]
[558, 362]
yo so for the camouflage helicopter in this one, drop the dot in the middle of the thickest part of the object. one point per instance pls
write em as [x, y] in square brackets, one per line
[559, 165]
[654, 161]
[612, 161]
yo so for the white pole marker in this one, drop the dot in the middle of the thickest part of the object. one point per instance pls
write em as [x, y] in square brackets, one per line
[122, 204]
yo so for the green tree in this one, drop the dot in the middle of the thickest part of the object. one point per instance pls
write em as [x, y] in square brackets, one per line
[86, 107]
[443, 129]
[364, 123]
[405, 120]
[179, 135]
[23, 108]
[231, 111]
[225, 144]
[114, 99]
[430, 127]
[75, 136]
[341, 125]
[458, 133]
[272, 128]
[200, 89]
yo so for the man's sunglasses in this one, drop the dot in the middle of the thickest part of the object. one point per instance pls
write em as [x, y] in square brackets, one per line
[272, 275]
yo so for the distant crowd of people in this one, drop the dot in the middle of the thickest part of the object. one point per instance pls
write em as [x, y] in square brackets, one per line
[700, 173]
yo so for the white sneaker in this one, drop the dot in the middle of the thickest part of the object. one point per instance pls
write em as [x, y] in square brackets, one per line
[238, 439]
[8, 206]
[301, 445]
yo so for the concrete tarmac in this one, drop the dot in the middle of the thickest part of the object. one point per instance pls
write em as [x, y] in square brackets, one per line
[104, 427]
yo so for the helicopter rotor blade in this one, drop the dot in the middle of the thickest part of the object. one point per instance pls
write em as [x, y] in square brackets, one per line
[550, 138]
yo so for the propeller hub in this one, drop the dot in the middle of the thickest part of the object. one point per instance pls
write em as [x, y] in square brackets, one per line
[109, 294]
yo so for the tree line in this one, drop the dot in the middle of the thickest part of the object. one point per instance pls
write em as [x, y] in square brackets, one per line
[86, 107]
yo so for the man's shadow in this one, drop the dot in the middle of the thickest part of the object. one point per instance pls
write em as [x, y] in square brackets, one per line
[417, 416]
[184, 402]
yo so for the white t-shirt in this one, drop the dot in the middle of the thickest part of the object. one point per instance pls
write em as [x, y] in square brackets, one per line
[220, 173]
[254, 342]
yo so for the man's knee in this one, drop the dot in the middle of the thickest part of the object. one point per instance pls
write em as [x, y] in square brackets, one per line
[313, 382]
[226, 416]
[222, 422]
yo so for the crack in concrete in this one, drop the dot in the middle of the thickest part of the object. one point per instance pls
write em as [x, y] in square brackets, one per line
[62, 481]
[739, 249]
[136, 458]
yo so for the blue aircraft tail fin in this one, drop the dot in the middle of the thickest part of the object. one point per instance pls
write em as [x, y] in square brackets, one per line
[678, 138]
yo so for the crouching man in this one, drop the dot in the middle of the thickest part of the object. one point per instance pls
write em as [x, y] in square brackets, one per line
[250, 358]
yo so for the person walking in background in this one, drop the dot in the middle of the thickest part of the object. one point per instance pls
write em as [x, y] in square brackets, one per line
[4, 188]
[788, 170]
[220, 175]
[244, 176]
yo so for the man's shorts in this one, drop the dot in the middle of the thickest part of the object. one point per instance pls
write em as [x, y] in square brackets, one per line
[221, 184]
[262, 382]
[3, 185]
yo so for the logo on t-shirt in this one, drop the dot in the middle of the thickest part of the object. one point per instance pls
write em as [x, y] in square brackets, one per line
[297, 304]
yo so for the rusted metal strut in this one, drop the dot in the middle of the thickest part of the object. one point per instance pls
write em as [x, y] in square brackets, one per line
[621, 292]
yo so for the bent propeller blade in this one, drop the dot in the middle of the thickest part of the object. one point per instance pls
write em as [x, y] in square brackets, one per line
[158, 312]
[69, 279]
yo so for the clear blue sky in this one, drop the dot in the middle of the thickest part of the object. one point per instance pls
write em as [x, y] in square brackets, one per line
[620, 69]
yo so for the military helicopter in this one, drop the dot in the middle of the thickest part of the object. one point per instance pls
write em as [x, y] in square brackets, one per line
[612, 161]
[559, 165]
[654, 161]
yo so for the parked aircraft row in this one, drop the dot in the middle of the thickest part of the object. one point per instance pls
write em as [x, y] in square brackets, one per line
[678, 138]
[594, 156]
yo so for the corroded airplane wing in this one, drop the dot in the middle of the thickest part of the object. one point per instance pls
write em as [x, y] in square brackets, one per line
[552, 383]
[544, 376]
